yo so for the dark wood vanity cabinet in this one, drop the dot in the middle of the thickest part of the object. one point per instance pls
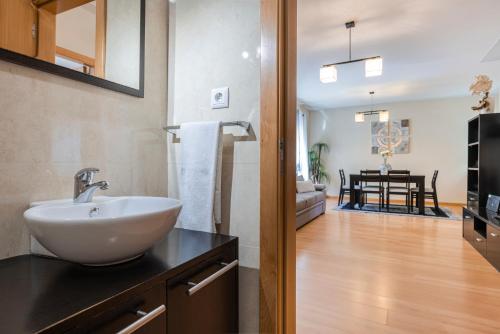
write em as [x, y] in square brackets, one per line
[205, 301]
[146, 311]
[188, 283]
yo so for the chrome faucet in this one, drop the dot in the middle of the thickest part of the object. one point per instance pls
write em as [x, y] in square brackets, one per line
[84, 188]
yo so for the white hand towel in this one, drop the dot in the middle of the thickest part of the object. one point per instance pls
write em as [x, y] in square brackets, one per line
[199, 182]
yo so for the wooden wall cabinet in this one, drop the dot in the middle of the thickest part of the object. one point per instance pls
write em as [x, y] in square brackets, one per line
[18, 24]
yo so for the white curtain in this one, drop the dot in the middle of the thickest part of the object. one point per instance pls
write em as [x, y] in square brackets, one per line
[302, 154]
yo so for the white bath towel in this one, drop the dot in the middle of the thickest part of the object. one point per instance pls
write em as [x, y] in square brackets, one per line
[200, 175]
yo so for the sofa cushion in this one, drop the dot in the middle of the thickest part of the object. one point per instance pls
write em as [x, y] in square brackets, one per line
[307, 200]
[300, 202]
[305, 186]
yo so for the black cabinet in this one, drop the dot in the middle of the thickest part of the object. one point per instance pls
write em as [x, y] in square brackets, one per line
[483, 159]
[468, 228]
[482, 230]
[493, 254]
[479, 243]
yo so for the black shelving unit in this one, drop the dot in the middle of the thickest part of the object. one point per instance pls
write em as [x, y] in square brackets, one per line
[481, 227]
[483, 167]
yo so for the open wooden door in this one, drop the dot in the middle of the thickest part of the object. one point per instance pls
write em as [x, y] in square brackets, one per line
[277, 167]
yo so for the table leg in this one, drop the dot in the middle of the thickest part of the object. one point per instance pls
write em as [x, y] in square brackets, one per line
[421, 197]
[352, 194]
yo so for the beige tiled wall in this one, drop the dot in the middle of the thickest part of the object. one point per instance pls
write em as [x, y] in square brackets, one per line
[208, 39]
[51, 126]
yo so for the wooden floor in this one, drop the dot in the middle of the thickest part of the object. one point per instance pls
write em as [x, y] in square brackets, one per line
[370, 273]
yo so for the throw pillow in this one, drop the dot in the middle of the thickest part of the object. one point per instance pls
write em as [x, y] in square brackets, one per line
[305, 186]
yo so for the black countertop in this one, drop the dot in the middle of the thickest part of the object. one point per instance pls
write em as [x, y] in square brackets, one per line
[485, 215]
[37, 292]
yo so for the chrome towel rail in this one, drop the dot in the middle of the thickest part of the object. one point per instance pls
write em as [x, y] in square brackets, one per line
[245, 125]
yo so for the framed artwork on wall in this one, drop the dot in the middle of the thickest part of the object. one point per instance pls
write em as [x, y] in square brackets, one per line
[393, 136]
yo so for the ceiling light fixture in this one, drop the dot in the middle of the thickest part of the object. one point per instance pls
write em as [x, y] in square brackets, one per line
[383, 115]
[328, 74]
[373, 65]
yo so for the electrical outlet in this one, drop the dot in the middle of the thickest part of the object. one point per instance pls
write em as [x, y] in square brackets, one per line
[220, 98]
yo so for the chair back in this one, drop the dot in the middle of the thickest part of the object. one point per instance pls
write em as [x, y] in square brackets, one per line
[398, 177]
[342, 177]
[434, 179]
[371, 178]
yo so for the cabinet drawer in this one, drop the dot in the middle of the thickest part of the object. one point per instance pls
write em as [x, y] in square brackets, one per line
[205, 301]
[479, 243]
[472, 200]
[493, 246]
[151, 318]
[468, 226]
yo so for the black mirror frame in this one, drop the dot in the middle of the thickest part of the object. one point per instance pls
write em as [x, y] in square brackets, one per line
[45, 66]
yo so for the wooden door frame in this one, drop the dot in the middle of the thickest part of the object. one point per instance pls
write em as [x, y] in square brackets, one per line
[277, 166]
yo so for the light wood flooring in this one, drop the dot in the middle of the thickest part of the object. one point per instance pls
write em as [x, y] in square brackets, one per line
[370, 273]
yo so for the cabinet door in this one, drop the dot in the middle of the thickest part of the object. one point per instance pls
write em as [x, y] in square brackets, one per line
[468, 227]
[204, 302]
[479, 243]
[493, 246]
[151, 318]
[18, 26]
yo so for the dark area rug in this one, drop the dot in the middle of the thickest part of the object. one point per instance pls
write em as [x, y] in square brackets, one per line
[399, 210]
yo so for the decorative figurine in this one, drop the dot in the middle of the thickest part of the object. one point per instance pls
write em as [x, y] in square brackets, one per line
[482, 86]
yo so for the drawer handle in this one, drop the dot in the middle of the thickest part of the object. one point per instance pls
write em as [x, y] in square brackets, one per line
[467, 217]
[494, 235]
[195, 287]
[479, 240]
[145, 318]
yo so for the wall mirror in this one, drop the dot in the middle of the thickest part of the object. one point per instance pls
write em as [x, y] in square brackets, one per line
[100, 42]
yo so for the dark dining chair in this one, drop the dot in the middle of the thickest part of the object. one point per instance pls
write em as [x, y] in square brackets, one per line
[429, 193]
[344, 188]
[371, 183]
[398, 184]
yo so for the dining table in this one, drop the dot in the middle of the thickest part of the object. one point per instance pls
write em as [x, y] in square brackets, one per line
[356, 179]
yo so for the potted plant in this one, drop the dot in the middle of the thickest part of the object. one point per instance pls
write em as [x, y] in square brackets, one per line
[316, 168]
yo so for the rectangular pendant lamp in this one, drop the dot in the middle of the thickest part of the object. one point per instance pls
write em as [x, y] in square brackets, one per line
[328, 74]
[359, 117]
[383, 116]
[373, 67]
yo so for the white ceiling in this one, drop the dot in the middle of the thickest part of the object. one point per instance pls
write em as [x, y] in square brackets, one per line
[431, 48]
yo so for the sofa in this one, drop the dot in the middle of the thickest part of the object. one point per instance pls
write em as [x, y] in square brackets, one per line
[310, 204]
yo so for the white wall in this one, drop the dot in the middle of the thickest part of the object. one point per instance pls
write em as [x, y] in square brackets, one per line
[123, 41]
[75, 31]
[438, 141]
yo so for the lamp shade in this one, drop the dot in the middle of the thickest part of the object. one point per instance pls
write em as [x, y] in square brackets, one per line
[383, 116]
[328, 74]
[373, 67]
[359, 117]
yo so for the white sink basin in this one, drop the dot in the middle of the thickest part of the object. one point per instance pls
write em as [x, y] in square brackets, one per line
[108, 231]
